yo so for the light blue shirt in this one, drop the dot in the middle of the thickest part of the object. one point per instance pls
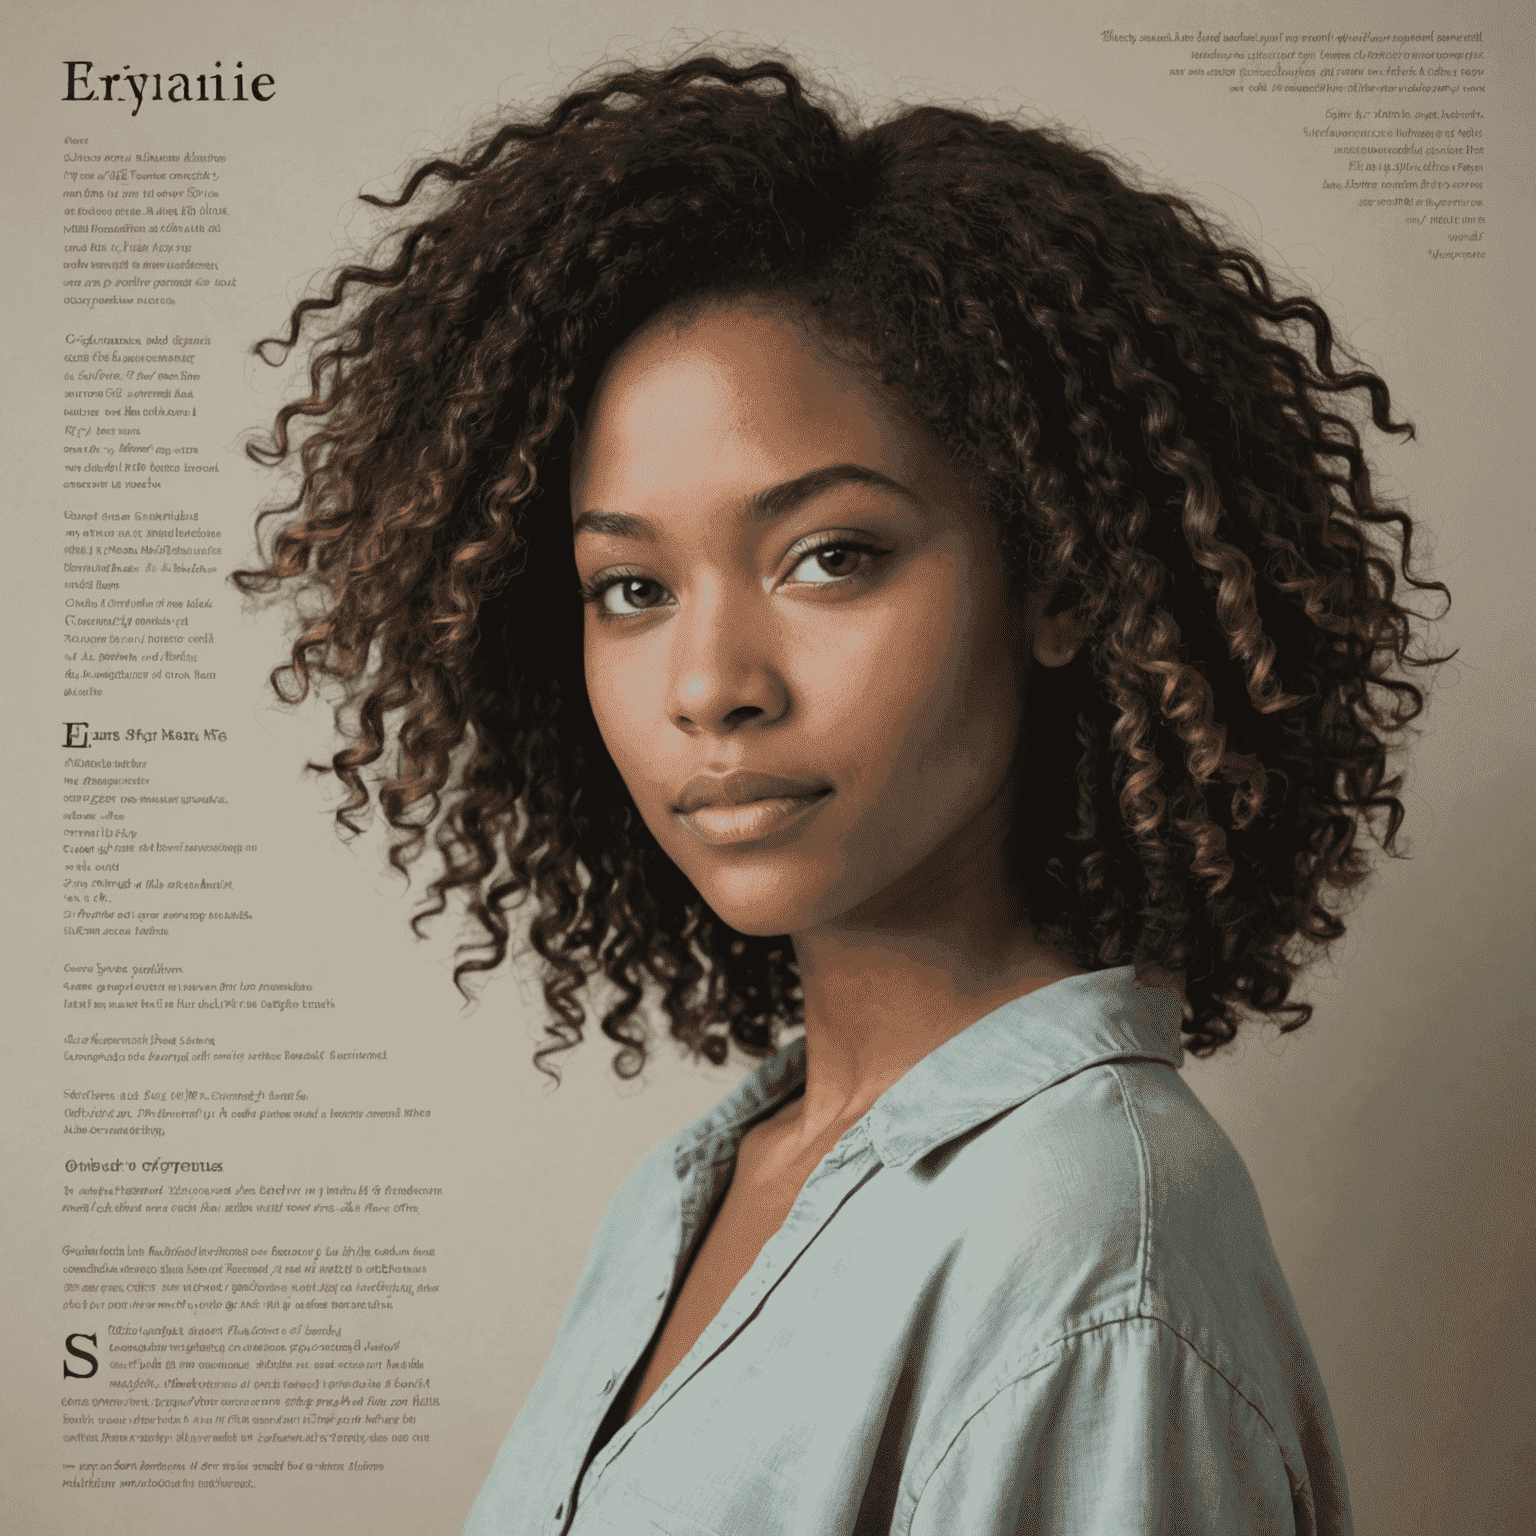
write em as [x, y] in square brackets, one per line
[1030, 1291]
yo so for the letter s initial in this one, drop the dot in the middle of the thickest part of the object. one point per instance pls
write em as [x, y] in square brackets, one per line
[80, 1354]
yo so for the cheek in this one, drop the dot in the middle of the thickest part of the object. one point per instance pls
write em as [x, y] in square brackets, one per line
[621, 688]
[934, 705]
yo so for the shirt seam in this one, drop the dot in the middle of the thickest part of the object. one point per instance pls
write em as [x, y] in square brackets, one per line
[1144, 1176]
[1301, 1486]
[1300, 1481]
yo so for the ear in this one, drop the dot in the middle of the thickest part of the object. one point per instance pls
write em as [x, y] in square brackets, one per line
[1054, 637]
[1058, 637]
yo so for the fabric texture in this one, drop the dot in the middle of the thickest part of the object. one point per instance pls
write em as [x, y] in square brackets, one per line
[1030, 1291]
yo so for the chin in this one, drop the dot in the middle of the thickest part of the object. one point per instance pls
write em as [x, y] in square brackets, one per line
[763, 902]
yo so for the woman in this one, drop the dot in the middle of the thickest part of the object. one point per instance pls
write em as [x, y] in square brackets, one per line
[912, 586]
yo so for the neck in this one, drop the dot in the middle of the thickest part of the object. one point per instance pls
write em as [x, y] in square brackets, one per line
[886, 985]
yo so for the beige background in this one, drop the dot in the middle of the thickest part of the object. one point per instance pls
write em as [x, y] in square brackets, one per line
[1387, 1140]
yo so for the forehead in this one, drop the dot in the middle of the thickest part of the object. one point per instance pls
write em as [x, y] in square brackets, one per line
[726, 403]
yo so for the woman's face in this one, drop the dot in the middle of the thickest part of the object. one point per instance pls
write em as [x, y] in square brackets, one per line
[799, 648]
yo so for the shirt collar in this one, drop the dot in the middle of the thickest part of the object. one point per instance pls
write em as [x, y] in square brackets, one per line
[1017, 1051]
[995, 1064]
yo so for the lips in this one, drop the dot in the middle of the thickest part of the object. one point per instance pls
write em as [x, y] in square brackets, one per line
[743, 807]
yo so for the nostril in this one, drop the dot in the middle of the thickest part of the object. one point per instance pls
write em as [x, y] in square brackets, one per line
[720, 697]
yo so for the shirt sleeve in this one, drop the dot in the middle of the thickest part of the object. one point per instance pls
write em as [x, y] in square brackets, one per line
[1123, 1429]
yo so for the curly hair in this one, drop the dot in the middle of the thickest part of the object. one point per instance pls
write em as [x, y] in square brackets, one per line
[1162, 433]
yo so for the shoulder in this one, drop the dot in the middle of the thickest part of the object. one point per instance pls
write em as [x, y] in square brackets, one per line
[1132, 1274]
[1121, 1153]
[1115, 1195]
[1205, 1264]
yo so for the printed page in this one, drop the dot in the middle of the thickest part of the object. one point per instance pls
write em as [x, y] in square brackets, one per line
[291, 1225]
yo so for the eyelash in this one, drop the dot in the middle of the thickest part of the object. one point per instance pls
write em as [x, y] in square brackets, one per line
[593, 592]
[827, 542]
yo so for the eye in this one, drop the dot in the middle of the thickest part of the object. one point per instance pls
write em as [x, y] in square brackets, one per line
[629, 595]
[830, 563]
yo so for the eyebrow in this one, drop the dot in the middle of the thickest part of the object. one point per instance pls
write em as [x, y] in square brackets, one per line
[773, 502]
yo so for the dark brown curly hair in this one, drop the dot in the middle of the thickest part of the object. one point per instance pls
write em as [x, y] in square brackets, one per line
[1163, 434]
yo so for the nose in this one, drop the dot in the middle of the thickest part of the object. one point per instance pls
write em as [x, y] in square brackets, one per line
[725, 672]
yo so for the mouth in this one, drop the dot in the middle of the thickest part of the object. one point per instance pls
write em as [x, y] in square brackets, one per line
[741, 807]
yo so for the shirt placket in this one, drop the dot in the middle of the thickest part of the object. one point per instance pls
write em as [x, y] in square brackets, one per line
[703, 1159]
[834, 1180]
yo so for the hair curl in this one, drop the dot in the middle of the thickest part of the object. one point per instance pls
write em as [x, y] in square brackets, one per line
[1160, 430]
